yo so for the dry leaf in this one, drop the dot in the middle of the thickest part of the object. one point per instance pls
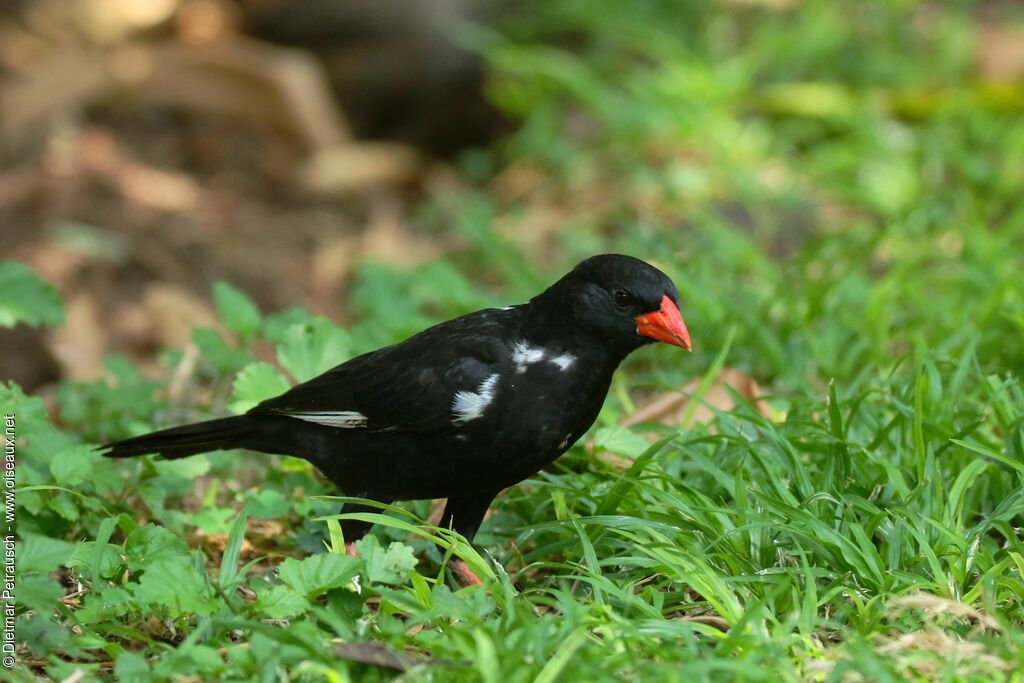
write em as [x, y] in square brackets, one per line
[1001, 52]
[349, 168]
[387, 238]
[173, 312]
[235, 77]
[933, 605]
[81, 342]
[669, 407]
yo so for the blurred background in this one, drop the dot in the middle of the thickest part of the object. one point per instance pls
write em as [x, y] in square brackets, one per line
[233, 196]
[831, 183]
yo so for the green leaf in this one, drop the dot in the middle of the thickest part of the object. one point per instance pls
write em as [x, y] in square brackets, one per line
[101, 547]
[318, 574]
[390, 566]
[239, 313]
[40, 593]
[176, 584]
[276, 324]
[72, 466]
[131, 667]
[213, 520]
[184, 469]
[153, 543]
[255, 383]
[206, 660]
[41, 553]
[221, 355]
[64, 505]
[281, 602]
[627, 480]
[104, 604]
[103, 562]
[268, 504]
[620, 440]
[27, 298]
[30, 410]
[229, 560]
[989, 453]
[311, 348]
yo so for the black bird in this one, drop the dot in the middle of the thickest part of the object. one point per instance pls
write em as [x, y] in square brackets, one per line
[463, 409]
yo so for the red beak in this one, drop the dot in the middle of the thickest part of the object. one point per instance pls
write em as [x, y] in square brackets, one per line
[665, 325]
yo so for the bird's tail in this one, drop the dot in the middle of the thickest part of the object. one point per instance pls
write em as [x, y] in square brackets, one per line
[180, 442]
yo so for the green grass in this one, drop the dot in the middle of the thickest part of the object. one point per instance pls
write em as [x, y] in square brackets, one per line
[837, 198]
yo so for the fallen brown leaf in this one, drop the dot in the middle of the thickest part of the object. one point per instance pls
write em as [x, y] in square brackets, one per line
[353, 167]
[1000, 52]
[670, 407]
[81, 342]
[173, 312]
[387, 238]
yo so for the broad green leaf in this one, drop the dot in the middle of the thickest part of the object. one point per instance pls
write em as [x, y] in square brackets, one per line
[37, 553]
[317, 574]
[153, 543]
[221, 355]
[131, 667]
[71, 466]
[213, 519]
[104, 604]
[620, 440]
[267, 504]
[311, 348]
[206, 660]
[64, 505]
[239, 313]
[184, 468]
[29, 411]
[27, 298]
[40, 593]
[281, 602]
[175, 584]
[386, 566]
[109, 564]
[255, 383]
[276, 324]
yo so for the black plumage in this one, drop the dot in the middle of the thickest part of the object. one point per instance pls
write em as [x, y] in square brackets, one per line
[463, 409]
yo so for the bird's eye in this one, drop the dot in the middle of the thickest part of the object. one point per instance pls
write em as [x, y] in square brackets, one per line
[622, 298]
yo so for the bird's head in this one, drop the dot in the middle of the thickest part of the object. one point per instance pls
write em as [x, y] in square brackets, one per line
[625, 302]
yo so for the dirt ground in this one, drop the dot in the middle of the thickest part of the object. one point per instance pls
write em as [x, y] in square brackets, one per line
[148, 150]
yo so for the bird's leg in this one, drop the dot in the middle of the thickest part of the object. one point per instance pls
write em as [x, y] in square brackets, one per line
[464, 515]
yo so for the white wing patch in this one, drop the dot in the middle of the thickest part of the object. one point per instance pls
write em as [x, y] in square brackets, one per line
[469, 405]
[346, 419]
[523, 354]
[564, 362]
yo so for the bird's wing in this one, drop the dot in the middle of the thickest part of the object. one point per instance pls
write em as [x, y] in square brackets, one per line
[428, 383]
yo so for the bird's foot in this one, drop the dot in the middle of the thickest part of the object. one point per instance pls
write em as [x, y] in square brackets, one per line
[463, 574]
